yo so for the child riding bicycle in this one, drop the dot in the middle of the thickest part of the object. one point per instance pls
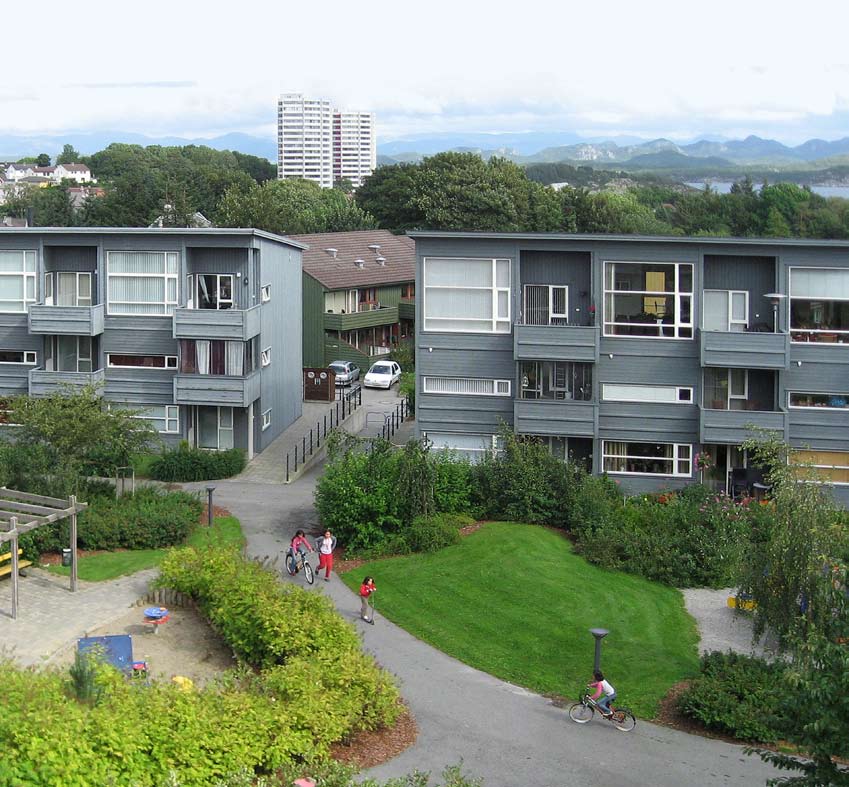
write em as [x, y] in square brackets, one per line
[602, 686]
[299, 548]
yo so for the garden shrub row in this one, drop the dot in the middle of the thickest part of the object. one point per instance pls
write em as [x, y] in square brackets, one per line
[194, 464]
[304, 647]
[736, 695]
[148, 519]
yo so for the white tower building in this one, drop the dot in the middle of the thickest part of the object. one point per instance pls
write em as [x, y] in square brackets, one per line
[354, 146]
[305, 139]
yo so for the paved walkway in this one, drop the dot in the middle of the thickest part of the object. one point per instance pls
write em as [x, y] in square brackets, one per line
[503, 733]
[51, 618]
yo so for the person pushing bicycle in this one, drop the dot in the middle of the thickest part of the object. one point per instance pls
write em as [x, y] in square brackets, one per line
[602, 686]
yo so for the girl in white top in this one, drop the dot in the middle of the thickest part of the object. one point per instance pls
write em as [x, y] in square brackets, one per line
[325, 546]
[602, 686]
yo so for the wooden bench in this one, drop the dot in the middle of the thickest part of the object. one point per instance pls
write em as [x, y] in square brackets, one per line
[6, 570]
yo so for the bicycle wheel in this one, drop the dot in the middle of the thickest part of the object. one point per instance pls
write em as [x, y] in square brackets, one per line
[581, 713]
[310, 577]
[290, 565]
[623, 720]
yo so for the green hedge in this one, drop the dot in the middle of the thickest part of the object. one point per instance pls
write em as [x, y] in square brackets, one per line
[286, 630]
[736, 695]
[194, 464]
[149, 519]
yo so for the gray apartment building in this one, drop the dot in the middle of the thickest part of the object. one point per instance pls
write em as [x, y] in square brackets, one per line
[199, 328]
[636, 354]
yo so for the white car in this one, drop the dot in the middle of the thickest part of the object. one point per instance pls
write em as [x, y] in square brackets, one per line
[383, 374]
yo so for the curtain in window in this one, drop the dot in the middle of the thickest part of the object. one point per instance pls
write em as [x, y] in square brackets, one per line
[235, 358]
[188, 357]
[202, 348]
[218, 360]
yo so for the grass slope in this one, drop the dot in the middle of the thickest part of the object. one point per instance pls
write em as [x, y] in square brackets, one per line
[109, 565]
[515, 601]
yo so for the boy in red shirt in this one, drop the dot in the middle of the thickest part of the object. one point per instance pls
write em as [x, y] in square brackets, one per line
[366, 589]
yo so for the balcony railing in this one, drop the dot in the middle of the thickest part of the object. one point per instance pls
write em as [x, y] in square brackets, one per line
[66, 320]
[555, 342]
[232, 324]
[385, 315]
[555, 417]
[744, 349]
[407, 309]
[735, 426]
[211, 389]
[43, 382]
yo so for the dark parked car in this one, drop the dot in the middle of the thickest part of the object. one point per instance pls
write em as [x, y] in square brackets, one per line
[346, 372]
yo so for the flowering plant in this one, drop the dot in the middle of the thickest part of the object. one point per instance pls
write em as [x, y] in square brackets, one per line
[704, 461]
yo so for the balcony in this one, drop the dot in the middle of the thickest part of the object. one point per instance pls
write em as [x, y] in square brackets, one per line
[561, 417]
[369, 318]
[744, 349]
[66, 320]
[233, 324]
[407, 309]
[732, 427]
[211, 389]
[44, 383]
[555, 342]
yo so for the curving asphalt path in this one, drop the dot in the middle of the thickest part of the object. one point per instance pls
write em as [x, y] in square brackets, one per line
[503, 733]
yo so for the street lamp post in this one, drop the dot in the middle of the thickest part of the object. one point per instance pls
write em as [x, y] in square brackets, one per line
[209, 490]
[599, 635]
[774, 298]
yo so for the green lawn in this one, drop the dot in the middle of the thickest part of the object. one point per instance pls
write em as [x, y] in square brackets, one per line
[108, 565]
[515, 601]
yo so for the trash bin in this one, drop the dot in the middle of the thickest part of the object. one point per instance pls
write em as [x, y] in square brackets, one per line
[66, 557]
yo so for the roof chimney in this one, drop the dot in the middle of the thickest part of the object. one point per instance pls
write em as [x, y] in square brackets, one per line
[359, 263]
[332, 252]
[375, 247]
[380, 260]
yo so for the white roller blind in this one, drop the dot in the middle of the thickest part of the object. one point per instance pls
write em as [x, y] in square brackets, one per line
[825, 283]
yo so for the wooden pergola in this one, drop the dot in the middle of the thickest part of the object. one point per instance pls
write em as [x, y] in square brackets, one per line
[21, 512]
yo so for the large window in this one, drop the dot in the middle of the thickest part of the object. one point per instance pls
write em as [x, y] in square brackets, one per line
[666, 394]
[217, 357]
[18, 356]
[68, 354]
[17, 280]
[818, 400]
[819, 305]
[141, 282]
[648, 299]
[164, 418]
[470, 446]
[831, 466]
[671, 459]
[465, 386]
[215, 428]
[557, 380]
[210, 291]
[467, 295]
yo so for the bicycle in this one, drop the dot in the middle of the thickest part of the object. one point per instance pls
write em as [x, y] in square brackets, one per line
[581, 712]
[294, 565]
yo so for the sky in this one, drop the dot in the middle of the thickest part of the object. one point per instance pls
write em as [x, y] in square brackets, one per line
[651, 68]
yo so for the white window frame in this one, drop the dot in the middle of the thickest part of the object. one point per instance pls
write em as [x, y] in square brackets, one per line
[794, 331]
[170, 362]
[678, 296]
[231, 301]
[729, 313]
[266, 419]
[676, 458]
[554, 318]
[52, 354]
[30, 358]
[829, 482]
[430, 385]
[170, 419]
[168, 305]
[607, 395]
[265, 357]
[265, 293]
[490, 443]
[496, 320]
[27, 277]
[221, 410]
[815, 407]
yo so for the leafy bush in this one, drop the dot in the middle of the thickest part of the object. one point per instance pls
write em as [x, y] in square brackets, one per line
[431, 533]
[407, 388]
[736, 695]
[194, 464]
[149, 519]
[692, 540]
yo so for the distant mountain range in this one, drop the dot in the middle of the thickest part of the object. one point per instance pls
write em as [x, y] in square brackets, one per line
[524, 148]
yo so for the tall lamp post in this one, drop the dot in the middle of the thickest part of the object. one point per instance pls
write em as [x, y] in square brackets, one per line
[209, 490]
[775, 298]
[599, 635]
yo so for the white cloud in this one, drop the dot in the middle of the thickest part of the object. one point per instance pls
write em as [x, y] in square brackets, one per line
[204, 68]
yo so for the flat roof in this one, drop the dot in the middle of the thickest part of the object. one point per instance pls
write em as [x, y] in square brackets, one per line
[688, 239]
[196, 231]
